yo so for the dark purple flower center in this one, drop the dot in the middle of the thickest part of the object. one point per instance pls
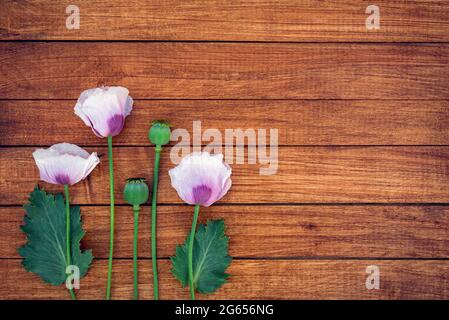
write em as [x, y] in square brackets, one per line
[201, 194]
[62, 178]
[115, 124]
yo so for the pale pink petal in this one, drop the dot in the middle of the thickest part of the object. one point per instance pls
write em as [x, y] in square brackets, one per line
[201, 178]
[128, 106]
[79, 104]
[99, 109]
[64, 163]
[122, 95]
[69, 148]
[104, 109]
[182, 183]
[92, 162]
[64, 169]
[226, 186]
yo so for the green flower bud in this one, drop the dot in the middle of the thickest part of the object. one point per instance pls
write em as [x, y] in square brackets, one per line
[136, 191]
[159, 133]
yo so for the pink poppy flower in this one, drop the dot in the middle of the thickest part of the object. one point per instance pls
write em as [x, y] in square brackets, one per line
[104, 109]
[64, 163]
[201, 178]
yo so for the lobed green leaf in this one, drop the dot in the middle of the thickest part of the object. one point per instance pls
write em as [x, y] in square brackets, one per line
[210, 258]
[45, 227]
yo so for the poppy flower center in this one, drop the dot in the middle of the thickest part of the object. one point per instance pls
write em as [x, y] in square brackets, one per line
[115, 124]
[62, 179]
[201, 194]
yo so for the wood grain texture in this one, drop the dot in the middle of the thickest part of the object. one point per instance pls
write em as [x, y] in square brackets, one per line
[304, 175]
[226, 70]
[251, 279]
[363, 120]
[267, 231]
[241, 20]
[299, 122]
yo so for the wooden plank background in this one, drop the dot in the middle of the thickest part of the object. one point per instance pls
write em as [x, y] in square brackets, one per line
[362, 117]
[215, 20]
[167, 70]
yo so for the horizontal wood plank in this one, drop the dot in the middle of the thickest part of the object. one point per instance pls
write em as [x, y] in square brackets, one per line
[42, 70]
[241, 20]
[304, 175]
[266, 231]
[299, 122]
[363, 119]
[251, 279]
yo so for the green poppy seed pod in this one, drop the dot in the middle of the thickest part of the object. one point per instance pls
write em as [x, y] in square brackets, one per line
[159, 133]
[136, 191]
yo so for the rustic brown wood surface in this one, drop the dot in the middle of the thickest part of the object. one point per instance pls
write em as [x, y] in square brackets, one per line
[61, 70]
[252, 279]
[241, 20]
[295, 231]
[304, 175]
[299, 122]
[363, 132]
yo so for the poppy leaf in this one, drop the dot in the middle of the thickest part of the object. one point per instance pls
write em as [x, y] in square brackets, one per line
[45, 251]
[210, 258]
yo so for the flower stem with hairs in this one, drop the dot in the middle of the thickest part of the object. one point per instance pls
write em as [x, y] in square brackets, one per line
[136, 192]
[190, 253]
[159, 135]
[112, 218]
[67, 232]
[136, 210]
[157, 157]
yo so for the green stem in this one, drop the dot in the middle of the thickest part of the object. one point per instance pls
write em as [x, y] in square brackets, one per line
[157, 157]
[190, 254]
[136, 209]
[67, 232]
[111, 231]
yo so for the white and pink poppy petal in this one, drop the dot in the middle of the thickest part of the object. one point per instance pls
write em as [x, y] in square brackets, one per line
[62, 169]
[182, 183]
[64, 163]
[79, 104]
[104, 109]
[92, 162]
[226, 186]
[128, 106]
[201, 178]
[121, 93]
[69, 148]
[105, 114]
